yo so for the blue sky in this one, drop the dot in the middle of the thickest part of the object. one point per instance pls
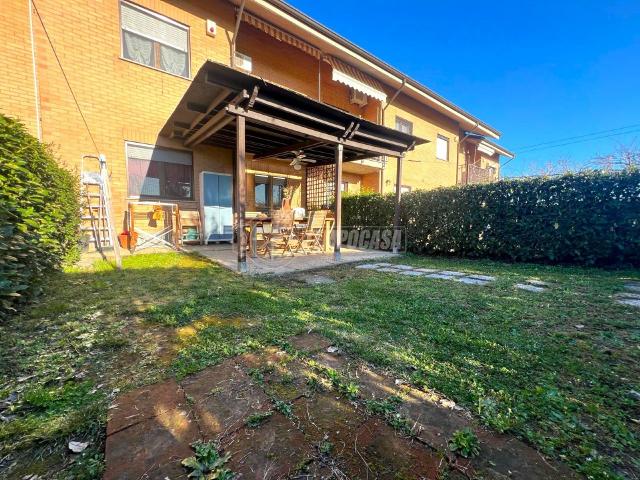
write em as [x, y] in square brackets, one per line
[537, 71]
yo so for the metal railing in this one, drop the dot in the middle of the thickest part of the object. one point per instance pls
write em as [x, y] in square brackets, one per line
[472, 174]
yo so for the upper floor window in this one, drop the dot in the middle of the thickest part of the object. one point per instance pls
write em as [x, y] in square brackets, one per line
[154, 40]
[442, 148]
[404, 126]
[159, 173]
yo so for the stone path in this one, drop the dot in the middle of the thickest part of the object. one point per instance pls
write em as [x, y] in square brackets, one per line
[631, 295]
[327, 416]
[408, 270]
[530, 285]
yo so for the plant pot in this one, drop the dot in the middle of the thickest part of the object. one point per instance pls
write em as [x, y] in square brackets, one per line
[128, 240]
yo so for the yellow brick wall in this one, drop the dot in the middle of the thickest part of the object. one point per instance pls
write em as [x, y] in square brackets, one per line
[421, 168]
[17, 89]
[123, 101]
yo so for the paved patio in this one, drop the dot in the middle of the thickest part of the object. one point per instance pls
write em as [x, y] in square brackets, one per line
[287, 415]
[227, 256]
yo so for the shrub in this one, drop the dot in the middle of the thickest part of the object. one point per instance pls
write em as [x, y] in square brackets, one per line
[39, 214]
[585, 219]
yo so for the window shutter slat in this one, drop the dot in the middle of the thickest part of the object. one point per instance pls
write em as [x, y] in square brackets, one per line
[142, 23]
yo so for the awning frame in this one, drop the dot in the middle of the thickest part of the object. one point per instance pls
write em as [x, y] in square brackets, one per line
[279, 121]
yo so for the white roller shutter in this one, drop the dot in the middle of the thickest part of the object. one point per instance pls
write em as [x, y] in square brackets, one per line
[153, 26]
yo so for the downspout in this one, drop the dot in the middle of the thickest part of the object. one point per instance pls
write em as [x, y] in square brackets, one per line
[36, 88]
[235, 34]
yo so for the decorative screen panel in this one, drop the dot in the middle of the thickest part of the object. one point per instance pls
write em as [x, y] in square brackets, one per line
[320, 187]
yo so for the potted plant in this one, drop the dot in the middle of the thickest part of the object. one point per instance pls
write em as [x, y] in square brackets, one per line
[128, 240]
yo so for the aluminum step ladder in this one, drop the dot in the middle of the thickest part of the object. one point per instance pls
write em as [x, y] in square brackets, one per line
[97, 224]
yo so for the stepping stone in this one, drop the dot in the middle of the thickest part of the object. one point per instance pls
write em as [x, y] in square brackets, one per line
[151, 449]
[403, 267]
[530, 288]
[388, 270]
[486, 278]
[441, 276]
[632, 302]
[275, 449]
[143, 404]
[426, 270]
[223, 396]
[411, 273]
[368, 266]
[634, 287]
[451, 274]
[635, 296]
[538, 283]
[318, 280]
[385, 264]
[471, 281]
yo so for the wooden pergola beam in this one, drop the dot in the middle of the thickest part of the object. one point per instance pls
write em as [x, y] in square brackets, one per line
[338, 207]
[241, 193]
[285, 125]
[214, 124]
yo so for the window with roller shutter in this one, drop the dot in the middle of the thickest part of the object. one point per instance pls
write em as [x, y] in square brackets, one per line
[154, 40]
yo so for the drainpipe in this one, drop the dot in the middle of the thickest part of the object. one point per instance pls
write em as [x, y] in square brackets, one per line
[235, 34]
[36, 88]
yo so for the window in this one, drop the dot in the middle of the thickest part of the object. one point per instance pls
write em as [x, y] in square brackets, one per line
[344, 187]
[153, 40]
[159, 173]
[277, 191]
[261, 189]
[404, 126]
[268, 191]
[442, 148]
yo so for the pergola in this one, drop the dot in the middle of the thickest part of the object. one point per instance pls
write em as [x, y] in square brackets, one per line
[228, 108]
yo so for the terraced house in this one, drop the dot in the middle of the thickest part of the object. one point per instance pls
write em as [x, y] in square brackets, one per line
[234, 105]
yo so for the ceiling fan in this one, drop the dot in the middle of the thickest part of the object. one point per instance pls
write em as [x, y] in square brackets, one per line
[299, 158]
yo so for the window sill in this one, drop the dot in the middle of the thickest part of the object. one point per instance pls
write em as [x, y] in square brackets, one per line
[189, 79]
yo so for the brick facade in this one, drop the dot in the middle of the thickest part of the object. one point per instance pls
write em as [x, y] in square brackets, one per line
[124, 101]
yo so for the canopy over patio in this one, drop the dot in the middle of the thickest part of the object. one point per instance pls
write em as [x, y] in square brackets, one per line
[228, 108]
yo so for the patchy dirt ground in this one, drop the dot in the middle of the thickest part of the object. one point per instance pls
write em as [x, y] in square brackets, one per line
[306, 411]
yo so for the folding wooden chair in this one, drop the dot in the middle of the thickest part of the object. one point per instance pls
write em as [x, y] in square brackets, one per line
[279, 234]
[314, 233]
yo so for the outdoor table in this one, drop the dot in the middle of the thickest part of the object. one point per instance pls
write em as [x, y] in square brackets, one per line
[252, 223]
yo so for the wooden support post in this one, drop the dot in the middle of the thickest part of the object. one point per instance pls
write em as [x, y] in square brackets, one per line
[396, 216]
[338, 213]
[241, 192]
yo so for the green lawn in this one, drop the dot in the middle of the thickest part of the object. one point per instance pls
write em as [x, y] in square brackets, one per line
[516, 359]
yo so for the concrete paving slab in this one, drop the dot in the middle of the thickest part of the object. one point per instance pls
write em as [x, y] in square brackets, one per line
[368, 266]
[630, 302]
[427, 270]
[411, 273]
[530, 288]
[487, 278]
[451, 273]
[403, 267]
[471, 281]
[538, 283]
[440, 276]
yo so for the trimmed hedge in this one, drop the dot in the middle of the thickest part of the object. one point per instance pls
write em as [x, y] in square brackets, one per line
[584, 219]
[39, 214]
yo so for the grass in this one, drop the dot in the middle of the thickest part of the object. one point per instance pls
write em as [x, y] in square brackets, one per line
[514, 358]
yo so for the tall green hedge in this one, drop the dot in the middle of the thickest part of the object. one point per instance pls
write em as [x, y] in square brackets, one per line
[584, 219]
[39, 214]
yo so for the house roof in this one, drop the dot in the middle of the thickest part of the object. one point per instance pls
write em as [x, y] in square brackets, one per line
[280, 122]
[482, 140]
[329, 42]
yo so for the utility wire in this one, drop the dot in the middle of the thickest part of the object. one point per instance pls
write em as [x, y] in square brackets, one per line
[527, 147]
[571, 143]
[66, 79]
